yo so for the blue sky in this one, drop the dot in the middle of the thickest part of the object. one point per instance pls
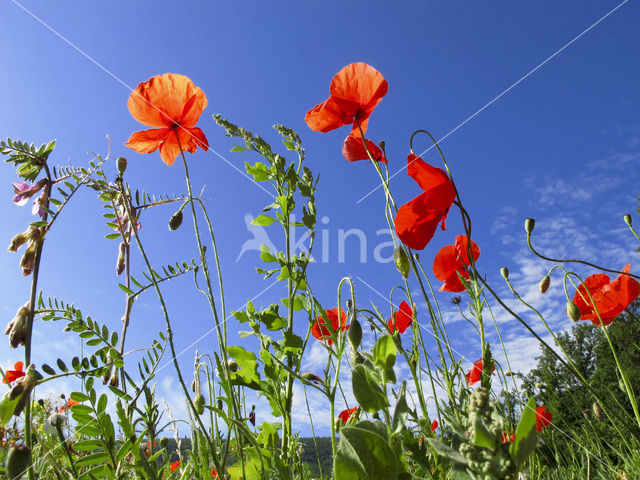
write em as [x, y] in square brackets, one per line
[561, 144]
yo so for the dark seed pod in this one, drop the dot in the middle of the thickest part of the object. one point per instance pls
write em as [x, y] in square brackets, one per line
[18, 461]
[176, 220]
[355, 334]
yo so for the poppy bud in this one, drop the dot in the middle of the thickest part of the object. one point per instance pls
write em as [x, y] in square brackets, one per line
[193, 385]
[18, 461]
[120, 264]
[176, 220]
[164, 442]
[573, 311]
[121, 164]
[504, 271]
[401, 260]
[357, 358]
[543, 286]
[199, 403]
[627, 219]
[232, 364]
[597, 410]
[355, 334]
[311, 377]
[381, 144]
[529, 225]
[622, 386]
[508, 373]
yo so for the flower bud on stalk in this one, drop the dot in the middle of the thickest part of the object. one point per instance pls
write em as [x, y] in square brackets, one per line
[17, 328]
[121, 259]
[597, 410]
[627, 219]
[311, 377]
[504, 271]
[199, 403]
[18, 461]
[121, 164]
[22, 389]
[355, 334]
[543, 286]
[164, 442]
[529, 225]
[401, 260]
[176, 220]
[114, 381]
[573, 311]
[232, 364]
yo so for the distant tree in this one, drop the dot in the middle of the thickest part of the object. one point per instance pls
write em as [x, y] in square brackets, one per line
[572, 405]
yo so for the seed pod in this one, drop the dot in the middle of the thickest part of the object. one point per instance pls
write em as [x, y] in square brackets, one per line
[122, 165]
[401, 260]
[176, 220]
[233, 365]
[529, 225]
[543, 286]
[115, 381]
[627, 219]
[199, 403]
[504, 271]
[120, 264]
[18, 461]
[573, 311]
[355, 334]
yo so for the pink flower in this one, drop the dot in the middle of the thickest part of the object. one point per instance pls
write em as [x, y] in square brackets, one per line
[24, 191]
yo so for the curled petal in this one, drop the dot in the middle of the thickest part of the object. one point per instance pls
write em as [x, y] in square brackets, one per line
[402, 319]
[353, 149]
[329, 115]
[148, 141]
[416, 223]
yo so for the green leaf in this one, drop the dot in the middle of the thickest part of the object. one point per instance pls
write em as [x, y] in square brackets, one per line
[289, 145]
[125, 289]
[111, 236]
[238, 148]
[368, 393]
[79, 397]
[247, 373]
[61, 365]
[265, 255]
[446, 451]
[87, 445]
[401, 413]
[384, 352]
[92, 459]
[7, 407]
[47, 369]
[292, 343]
[526, 434]
[263, 220]
[364, 455]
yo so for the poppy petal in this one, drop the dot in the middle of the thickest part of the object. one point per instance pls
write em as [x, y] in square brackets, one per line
[462, 248]
[18, 366]
[361, 84]
[432, 179]
[445, 262]
[161, 100]
[402, 319]
[148, 141]
[416, 223]
[330, 115]
[353, 149]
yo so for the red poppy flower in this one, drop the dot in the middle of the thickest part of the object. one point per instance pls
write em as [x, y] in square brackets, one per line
[355, 92]
[543, 418]
[345, 415]
[402, 319]
[320, 330]
[475, 373]
[174, 466]
[507, 437]
[434, 425]
[353, 149]
[172, 104]
[611, 298]
[70, 403]
[214, 474]
[416, 221]
[14, 374]
[454, 259]
[252, 417]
